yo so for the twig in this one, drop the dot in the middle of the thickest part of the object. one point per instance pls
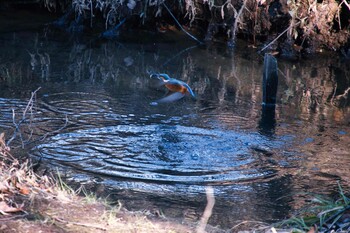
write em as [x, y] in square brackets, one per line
[335, 89]
[52, 132]
[244, 222]
[29, 106]
[279, 36]
[178, 23]
[346, 92]
[14, 217]
[345, 2]
[17, 125]
[30, 103]
[16, 128]
[80, 224]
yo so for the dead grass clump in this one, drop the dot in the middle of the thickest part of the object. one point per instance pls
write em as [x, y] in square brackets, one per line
[17, 179]
[318, 23]
[31, 203]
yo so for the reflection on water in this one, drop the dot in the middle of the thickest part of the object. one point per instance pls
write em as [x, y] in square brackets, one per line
[164, 156]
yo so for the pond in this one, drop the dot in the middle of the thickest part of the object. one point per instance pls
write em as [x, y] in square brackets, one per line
[94, 120]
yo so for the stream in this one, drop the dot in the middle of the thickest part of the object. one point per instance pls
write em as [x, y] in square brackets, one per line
[93, 119]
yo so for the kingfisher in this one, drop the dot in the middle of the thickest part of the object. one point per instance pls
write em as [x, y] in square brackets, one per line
[178, 87]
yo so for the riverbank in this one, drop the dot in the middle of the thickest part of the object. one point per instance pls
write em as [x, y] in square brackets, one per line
[291, 29]
[40, 203]
[33, 203]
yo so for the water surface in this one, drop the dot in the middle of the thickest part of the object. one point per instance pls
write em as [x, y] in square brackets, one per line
[92, 117]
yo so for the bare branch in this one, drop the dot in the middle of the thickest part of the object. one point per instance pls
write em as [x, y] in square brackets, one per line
[24, 119]
[29, 107]
[278, 36]
[177, 22]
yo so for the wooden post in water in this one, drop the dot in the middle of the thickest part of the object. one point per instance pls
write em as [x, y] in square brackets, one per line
[270, 82]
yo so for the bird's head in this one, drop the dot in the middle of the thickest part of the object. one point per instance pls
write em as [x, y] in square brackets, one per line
[162, 77]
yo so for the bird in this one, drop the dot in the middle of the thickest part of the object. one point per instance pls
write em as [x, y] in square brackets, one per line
[178, 88]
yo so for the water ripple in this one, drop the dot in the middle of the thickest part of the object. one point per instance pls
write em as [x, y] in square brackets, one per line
[162, 153]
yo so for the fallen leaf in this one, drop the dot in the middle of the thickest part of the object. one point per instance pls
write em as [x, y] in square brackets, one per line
[312, 230]
[23, 189]
[3, 187]
[3, 228]
[5, 208]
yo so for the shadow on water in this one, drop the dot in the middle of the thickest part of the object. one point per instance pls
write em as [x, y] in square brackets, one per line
[257, 158]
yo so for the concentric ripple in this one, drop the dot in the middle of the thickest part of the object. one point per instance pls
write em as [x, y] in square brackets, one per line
[162, 153]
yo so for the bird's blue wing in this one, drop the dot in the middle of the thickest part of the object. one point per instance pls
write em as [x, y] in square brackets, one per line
[190, 90]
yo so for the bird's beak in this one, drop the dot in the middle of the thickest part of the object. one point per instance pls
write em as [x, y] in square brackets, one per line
[154, 76]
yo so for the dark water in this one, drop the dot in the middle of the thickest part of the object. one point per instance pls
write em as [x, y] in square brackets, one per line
[93, 119]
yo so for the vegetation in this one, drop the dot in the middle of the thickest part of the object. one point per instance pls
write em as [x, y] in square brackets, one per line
[287, 26]
[323, 215]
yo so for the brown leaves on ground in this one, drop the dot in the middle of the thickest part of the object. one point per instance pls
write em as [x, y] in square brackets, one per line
[5, 209]
[16, 179]
[80, 215]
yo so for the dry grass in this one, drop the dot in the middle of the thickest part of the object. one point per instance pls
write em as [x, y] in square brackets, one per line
[32, 203]
[308, 23]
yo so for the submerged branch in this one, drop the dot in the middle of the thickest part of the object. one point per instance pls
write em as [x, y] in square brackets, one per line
[57, 130]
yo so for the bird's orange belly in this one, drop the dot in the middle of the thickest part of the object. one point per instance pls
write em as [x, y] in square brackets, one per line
[176, 88]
